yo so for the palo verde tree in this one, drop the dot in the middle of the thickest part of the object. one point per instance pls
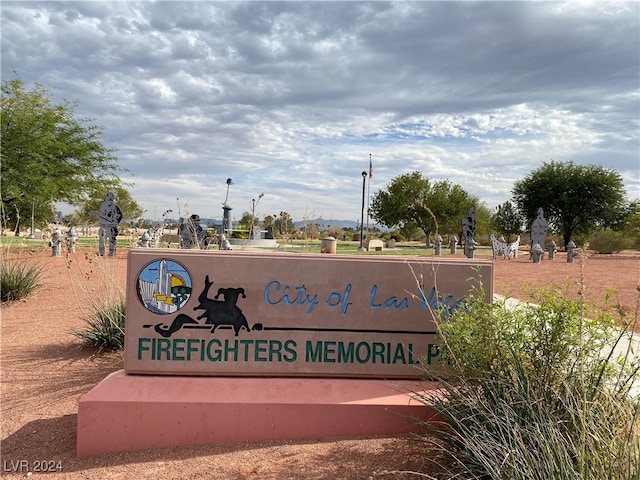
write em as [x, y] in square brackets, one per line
[575, 198]
[48, 155]
[412, 199]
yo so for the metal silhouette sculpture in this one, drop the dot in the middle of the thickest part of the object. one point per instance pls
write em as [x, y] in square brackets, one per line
[216, 312]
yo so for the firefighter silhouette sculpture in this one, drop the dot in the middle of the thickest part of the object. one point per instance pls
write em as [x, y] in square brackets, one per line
[216, 312]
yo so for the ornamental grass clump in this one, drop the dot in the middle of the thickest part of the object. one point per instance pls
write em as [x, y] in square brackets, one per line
[18, 278]
[104, 329]
[536, 392]
[97, 286]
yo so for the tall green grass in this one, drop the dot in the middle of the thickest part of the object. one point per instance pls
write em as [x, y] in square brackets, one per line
[536, 392]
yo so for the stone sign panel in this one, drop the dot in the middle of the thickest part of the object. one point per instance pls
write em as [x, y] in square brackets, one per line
[276, 314]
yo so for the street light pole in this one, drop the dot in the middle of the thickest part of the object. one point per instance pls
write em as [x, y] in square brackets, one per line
[226, 211]
[253, 217]
[364, 181]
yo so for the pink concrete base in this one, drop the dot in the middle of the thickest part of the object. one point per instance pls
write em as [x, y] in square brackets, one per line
[133, 412]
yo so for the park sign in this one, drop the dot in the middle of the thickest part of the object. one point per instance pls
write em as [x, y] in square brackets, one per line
[230, 313]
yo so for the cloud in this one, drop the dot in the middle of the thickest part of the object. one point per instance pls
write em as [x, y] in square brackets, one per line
[290, 98]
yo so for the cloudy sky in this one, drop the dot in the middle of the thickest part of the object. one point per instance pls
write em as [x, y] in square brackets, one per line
[291, 99]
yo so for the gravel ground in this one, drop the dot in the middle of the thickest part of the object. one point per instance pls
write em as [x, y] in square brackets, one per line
[44, 373]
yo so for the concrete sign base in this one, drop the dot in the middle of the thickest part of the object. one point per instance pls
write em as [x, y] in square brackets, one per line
[135, 412]
[239, 347]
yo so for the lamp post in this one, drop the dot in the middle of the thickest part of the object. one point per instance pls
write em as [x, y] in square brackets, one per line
[253, 218]
[226, 210]
[229, 183]
[254, 202]
[364, 181]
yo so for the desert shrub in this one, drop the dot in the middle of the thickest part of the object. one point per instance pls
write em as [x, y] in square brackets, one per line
[104, 328]
[535, 392]
[18, 278]
[608, 241]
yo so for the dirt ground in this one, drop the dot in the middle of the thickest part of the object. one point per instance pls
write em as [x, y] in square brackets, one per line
[44, 373]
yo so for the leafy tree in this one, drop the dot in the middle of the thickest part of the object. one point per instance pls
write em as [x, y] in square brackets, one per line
[507, 220]
[48, 155]
[575, 198]
[87, 212]
[283, 224]
[398, 204]
[483, 218]
[250, 223]
[248, 220]
[337, 232]
[631, 222]
[309, 231]
[267, 221]
[409, 231]
[411, 199]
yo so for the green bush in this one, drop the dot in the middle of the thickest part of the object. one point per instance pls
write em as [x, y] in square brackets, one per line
[608, 241]
[18, 278]
[535, 392]
[104, 329]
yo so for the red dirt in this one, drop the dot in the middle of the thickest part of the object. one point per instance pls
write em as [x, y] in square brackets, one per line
[44, 373]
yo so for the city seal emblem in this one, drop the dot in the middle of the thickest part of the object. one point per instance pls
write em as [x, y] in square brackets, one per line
[164, 286]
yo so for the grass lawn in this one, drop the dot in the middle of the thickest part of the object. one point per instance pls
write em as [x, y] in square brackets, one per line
[301, 246]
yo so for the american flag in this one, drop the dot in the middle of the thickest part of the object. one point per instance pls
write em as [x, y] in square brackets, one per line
[370, 168]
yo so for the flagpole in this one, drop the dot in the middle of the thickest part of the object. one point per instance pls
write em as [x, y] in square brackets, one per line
[368, 193]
